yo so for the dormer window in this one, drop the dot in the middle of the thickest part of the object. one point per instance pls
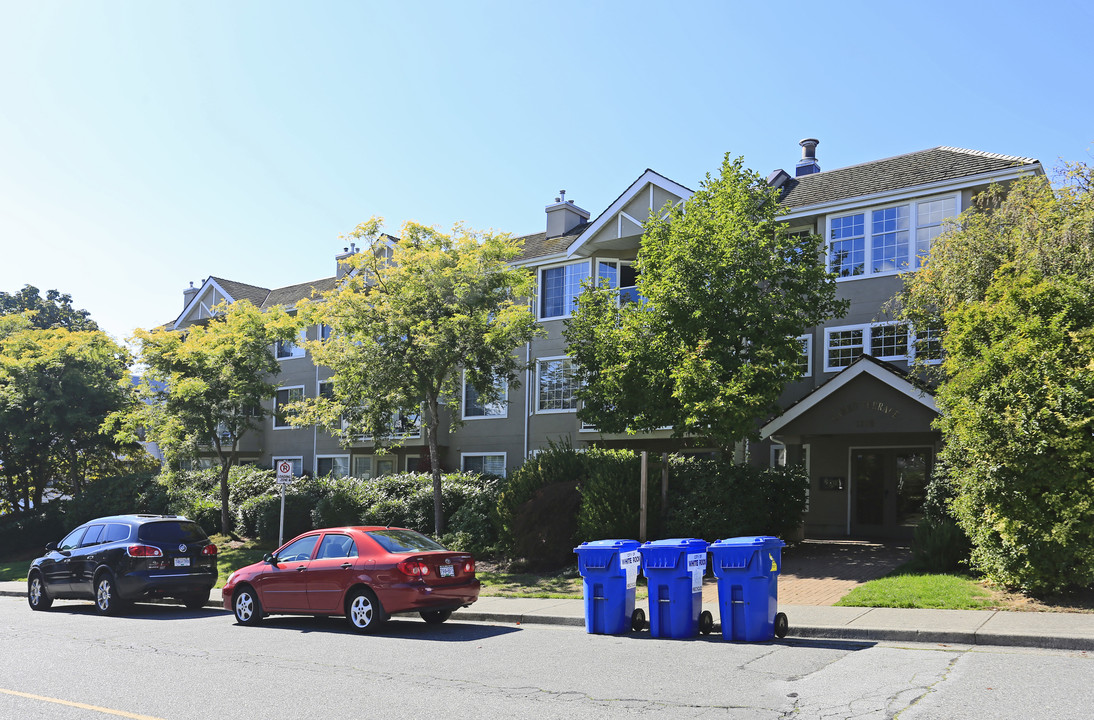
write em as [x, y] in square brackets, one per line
[879, 241]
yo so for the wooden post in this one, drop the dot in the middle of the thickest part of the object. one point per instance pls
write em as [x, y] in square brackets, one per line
[664, 489]
[642, 501]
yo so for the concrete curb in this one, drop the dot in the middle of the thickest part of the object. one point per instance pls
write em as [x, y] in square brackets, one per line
[1052, 631]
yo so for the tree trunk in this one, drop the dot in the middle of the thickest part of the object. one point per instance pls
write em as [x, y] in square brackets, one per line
[432, 426]
[225, 516]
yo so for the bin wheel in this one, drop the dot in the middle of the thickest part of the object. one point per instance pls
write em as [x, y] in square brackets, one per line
[781, 625]
[706, 622]
[638, 620]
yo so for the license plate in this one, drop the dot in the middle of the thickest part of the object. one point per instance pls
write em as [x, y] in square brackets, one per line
[182, 562]
[448, 571]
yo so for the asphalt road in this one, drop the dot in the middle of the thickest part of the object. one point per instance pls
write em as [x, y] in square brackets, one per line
[164, 662]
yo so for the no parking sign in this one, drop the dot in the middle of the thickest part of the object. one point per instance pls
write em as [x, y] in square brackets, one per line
[284, 471]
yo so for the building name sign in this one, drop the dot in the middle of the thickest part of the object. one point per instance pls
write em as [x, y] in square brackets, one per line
[872, 406]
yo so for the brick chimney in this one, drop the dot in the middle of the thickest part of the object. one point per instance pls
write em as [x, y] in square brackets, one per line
[808, 164]
[563, 216]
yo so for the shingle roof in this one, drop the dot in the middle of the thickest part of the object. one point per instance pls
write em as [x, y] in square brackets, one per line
[289, 296]
[895, 173]
[242, 291]
[539, 245]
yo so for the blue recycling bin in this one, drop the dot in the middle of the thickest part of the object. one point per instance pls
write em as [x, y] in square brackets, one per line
[674, 575]
[748, 569]
[609, 573]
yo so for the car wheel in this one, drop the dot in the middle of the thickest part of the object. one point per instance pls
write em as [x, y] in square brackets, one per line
[706, 622]
[196, 601]
[638, 620]
[107, 601]
[781, 625]
[247, 608]
[363, 611]
[435, 617]
[37, 596]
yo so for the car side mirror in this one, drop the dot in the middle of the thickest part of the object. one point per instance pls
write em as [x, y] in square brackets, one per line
[271, 559]
[51, 546]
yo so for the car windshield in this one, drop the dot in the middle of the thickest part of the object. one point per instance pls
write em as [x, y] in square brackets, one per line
[403, 541]
[171, 531]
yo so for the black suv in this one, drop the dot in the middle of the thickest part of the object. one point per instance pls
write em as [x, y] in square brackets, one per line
[116, 560]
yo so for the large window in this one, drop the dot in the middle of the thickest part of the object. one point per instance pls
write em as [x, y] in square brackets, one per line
[484, 463]
[891, 341]
[620, 275]
[284, 397]
[556, 383]
[285, 349]
[473, 408]
[559, 288]
[336, 465]
[879, 241]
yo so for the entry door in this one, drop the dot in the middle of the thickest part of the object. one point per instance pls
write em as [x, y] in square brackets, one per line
[887, 490]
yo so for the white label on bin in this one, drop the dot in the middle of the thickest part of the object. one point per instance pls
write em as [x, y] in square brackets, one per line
[697, 564]
[630, 561]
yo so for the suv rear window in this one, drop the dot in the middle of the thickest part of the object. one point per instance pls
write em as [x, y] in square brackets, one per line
[171, 531]
[403, 541]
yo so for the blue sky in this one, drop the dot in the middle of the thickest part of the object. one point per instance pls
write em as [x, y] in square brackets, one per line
[145, 145]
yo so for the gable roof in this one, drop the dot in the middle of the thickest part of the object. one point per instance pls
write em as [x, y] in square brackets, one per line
[889, 374]
[896, 173]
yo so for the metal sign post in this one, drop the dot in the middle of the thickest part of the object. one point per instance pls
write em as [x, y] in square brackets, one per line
[284, 477]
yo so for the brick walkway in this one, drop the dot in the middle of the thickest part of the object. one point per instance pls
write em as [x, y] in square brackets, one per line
[820, 572]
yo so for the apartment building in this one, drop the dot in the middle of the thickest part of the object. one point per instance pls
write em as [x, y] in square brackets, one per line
[855, 418]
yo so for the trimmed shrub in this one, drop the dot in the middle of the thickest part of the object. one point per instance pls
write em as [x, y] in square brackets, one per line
[32, 532]
[114, 496]
[717, 499]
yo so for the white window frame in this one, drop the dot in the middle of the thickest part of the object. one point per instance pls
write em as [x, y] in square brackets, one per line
[617, 287]
[868, 343]
[349, 467]
[296, 460]
[539, 366]
[273, 415]
[416, 457]
[808, 351]
[377, 459]
[353, 467]
[914, 225]
[296, 349]
[503, 403]
[568, 303]
[913, 342]
[504, 459]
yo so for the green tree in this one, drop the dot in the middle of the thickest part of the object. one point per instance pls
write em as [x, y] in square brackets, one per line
[414, 313]
[205, 386]
[57, 388]
[1012, 282]
[727, 291]
[53, 311]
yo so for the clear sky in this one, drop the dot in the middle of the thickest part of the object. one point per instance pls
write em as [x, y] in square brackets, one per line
[147, 145]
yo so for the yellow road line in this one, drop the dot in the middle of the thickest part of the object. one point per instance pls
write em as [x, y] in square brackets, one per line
[82, 706]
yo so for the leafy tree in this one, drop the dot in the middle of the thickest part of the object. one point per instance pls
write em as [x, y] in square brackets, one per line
[205, 385]
[53, 311]
[1013, 284]
[410, 316]
[727, 291]
[57, 387]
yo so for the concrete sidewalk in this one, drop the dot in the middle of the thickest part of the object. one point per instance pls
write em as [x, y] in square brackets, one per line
[1062, 631]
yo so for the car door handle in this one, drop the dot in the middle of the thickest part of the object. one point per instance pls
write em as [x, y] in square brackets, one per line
[302, 568]
[346, 565]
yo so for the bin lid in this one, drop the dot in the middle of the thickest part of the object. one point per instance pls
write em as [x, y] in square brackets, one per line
[677, 544]
[607, 545]
[749, 541]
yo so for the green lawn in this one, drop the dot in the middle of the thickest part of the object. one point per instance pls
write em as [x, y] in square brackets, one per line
[16, 570]
[950, 592]
[234, 554]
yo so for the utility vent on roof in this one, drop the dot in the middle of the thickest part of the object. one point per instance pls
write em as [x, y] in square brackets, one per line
[808, 164]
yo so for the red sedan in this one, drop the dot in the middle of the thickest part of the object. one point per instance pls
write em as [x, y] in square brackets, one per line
[364, 573]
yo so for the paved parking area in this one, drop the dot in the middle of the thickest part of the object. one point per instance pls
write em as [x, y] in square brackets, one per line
[820, 572]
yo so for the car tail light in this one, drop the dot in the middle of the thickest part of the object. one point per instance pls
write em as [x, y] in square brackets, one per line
[209, 549]
[143, 551]
[469, 567]
[413, 568]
